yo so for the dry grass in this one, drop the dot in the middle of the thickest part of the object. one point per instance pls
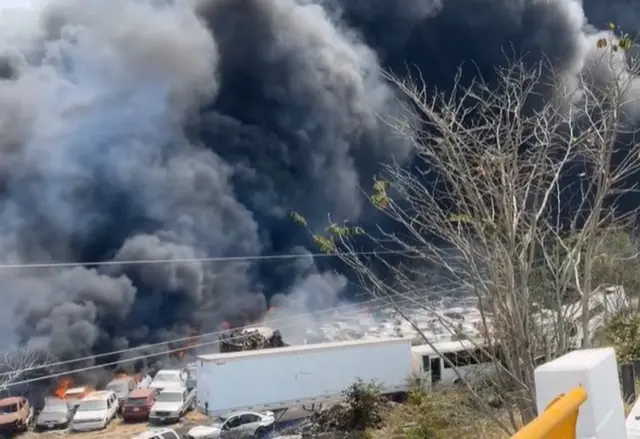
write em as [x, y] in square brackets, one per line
[439, 415]
[116, 429]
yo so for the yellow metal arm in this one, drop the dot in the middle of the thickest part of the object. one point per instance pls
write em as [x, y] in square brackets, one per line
[559, 419]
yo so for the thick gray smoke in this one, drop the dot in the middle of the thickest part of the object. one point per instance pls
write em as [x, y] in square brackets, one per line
[149, 129]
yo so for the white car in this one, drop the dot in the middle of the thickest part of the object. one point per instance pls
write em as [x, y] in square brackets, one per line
[236, 425]
[95, 411]
[170, 378]
[158, 433]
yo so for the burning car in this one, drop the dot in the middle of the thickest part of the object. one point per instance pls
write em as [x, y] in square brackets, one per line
[75, 394]
[56, 414]
[122, 385]
[15, 414]
[247, 339]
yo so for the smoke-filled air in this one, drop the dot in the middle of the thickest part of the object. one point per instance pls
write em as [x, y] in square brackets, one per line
[170, 129]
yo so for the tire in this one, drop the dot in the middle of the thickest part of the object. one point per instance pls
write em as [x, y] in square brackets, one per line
[261, 433]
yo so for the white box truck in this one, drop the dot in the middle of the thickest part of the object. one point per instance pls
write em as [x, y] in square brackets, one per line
[278, 378]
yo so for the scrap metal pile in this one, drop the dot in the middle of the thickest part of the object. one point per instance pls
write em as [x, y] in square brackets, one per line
[248, 339]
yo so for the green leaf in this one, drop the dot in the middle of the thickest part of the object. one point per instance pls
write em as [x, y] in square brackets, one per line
[298, 219]
[625, 43]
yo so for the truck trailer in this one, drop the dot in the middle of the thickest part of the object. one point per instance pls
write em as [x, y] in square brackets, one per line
[278, 378]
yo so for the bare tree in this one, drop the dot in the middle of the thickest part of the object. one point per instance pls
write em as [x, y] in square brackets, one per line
[17, 366]
[515, 185]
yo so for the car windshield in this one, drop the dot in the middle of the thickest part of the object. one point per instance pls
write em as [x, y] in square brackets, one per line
[54, 407]
[92, 405]
[166, 376]
[9, 408]
[136, 401]
[169, 397]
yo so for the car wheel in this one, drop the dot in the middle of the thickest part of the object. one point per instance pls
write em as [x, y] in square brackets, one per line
[260, 433]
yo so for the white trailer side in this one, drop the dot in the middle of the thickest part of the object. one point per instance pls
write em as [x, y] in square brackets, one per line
[292, 376]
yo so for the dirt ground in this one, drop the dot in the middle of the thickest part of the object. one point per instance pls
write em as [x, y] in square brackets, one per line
[117, 429]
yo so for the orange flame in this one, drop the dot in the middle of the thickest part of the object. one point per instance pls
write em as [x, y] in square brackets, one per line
[63, 385]
[192, 343]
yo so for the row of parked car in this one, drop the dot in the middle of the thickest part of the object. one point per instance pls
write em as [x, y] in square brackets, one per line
[166, 397]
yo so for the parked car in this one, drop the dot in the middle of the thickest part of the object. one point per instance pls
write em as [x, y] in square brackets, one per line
[56, 414]
[76, 394]
[158, 433]
[172, 404]
[235, 426]
[15, 415]
[95, 411]
[122, 386]
[138, 405]
[170, 378]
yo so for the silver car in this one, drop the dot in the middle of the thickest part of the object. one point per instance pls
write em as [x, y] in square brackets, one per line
[238, 425]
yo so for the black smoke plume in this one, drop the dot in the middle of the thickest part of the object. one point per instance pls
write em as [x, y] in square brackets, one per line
[148, 129]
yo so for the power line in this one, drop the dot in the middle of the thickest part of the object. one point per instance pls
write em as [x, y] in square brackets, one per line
[189, 338]
[196, 260]
[299, 318]
[141, 357]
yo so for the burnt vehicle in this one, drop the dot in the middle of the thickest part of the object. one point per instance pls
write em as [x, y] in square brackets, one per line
[122, 386]
[15, 415]
[75, 394]
[138, 405]
[55, 415]
[249, 339]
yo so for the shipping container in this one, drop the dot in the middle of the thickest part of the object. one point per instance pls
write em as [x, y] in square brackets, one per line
[274, 379]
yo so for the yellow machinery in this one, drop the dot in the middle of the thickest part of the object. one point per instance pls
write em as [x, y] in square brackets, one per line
[559, 419]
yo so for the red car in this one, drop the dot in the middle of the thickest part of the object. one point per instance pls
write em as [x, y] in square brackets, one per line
[138, 405]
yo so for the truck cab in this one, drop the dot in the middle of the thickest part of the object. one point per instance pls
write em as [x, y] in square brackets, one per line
[172, 403]
[170, 378]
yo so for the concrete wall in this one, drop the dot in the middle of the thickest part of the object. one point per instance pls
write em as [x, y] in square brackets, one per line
[602, 415]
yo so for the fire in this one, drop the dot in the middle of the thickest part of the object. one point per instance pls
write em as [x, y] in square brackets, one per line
[63, 385]
[192, 343]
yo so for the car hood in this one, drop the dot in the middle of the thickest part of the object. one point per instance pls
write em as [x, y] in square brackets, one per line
[93, 414]
[7, 418]
[51, 417]
[166, 406]
[202, 431]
